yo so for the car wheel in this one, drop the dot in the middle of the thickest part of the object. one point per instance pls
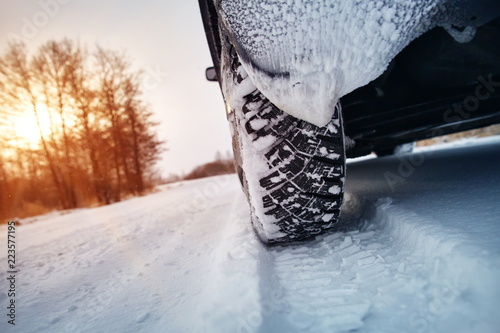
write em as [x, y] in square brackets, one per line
[292, 172]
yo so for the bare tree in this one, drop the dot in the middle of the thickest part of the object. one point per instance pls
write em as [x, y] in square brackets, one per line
[80, 90]
[51, 72]
[101, 143]
[21, 88]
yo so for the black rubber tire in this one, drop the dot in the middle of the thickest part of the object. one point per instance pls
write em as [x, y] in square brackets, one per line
[300, 192]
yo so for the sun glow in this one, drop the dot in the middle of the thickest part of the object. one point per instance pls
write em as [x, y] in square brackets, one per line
[26, 126]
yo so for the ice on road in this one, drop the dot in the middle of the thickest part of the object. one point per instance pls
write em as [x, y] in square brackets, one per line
[417, 250]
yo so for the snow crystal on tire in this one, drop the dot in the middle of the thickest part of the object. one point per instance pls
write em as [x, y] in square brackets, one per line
[293, 171]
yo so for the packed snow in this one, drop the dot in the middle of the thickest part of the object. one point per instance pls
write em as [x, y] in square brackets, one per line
[250, 148]
[417, 250]
[304, 56]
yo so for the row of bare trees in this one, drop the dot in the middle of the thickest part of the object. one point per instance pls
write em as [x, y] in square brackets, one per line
[99, 144]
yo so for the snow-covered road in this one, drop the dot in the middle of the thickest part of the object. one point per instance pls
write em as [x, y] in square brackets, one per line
[417, 250]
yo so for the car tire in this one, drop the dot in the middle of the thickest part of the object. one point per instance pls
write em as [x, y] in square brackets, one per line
[292, 172]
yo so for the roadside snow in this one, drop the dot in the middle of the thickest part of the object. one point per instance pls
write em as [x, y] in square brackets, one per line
[418, 255]
[460, 143]
[141, 265]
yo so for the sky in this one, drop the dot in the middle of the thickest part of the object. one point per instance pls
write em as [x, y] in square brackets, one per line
[164, 38]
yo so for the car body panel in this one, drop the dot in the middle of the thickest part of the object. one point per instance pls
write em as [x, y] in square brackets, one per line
[398, 83]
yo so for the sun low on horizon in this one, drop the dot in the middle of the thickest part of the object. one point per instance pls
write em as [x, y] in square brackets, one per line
[26, 126]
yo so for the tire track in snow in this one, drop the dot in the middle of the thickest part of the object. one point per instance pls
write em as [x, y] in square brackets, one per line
[322, 283]
[380, 271]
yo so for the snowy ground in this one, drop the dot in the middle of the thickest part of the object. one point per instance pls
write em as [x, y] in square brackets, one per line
[417, 250]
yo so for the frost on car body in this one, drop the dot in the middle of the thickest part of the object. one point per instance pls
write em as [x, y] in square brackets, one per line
[305, 55]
